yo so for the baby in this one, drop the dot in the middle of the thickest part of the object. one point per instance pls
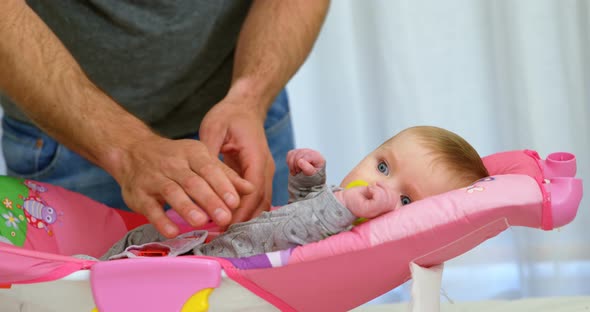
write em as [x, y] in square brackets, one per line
[416, 163]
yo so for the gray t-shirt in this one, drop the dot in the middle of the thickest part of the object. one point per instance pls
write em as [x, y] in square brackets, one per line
[167, 62]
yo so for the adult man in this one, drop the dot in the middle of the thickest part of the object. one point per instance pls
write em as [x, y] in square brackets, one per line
[124, 83]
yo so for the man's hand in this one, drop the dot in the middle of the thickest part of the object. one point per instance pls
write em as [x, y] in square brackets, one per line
[183, 174]
[237, 132]
[305, 160]
[275, 39]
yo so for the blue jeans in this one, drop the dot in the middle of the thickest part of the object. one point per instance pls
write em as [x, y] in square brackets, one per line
[30, 153]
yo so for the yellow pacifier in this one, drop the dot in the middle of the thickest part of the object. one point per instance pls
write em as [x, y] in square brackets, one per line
[356, 183]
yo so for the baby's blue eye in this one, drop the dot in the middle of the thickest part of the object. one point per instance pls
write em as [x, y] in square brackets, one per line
[383, 168]
[405, 200]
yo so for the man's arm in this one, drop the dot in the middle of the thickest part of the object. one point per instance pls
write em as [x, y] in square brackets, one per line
[275, 40]
[42, 76]
[39, 74]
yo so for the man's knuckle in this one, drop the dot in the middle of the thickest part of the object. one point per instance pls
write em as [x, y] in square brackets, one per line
[184, 207]
[207, 169]
[191, 182]
[169, 189]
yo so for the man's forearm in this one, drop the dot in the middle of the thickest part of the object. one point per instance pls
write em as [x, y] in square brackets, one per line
[38, 73]
[276, 38]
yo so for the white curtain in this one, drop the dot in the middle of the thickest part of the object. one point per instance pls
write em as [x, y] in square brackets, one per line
[503, 74]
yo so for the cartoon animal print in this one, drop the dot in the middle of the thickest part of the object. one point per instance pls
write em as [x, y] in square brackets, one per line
[474, 187]
[38, 214]
[34, 187]
[486, 179]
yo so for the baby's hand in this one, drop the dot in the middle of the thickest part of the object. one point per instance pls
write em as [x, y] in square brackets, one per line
[305, 160]
[369, 201]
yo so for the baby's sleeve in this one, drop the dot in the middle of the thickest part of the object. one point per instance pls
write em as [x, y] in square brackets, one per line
[300, 185]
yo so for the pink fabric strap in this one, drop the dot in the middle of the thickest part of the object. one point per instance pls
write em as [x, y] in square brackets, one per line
[547, 215]
[22, 266]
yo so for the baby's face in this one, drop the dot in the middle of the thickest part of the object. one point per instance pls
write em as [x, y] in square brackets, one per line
[404, 166]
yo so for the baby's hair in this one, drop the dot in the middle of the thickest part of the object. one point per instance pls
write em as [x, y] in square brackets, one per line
[451, 151]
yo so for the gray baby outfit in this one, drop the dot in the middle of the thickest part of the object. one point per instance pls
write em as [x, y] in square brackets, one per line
[313, 213]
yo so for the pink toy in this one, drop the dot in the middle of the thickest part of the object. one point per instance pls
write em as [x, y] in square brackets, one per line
[555, 175]
[338, 273]
[133, 285]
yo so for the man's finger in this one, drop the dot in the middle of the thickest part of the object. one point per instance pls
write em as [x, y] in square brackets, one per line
[154, 212]
[242, 214]
[202, 196]
[178, 199]
[218, 179]
[243, 186]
